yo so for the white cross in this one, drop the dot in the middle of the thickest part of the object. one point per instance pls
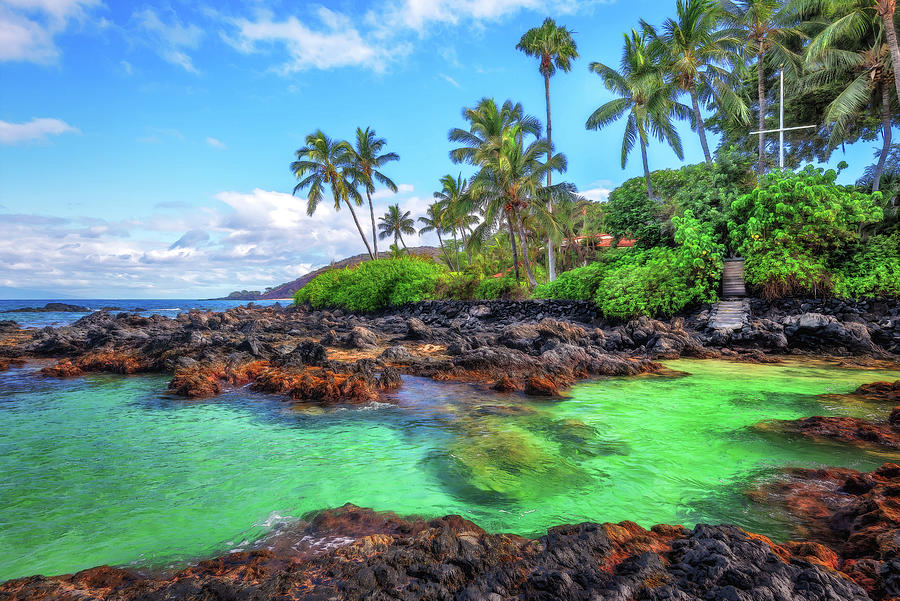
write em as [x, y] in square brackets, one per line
[781, 128]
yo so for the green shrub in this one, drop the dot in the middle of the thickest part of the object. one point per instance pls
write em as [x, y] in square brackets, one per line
[373, 285]
[872, 271]
[795, 226]
[459, 286]
[649, 283]
[699, 256]
[577, 284]
[506, 288]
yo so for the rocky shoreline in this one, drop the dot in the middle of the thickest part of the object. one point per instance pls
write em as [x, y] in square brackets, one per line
[538, 348]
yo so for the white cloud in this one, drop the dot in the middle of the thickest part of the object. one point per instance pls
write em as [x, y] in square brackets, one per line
[336, 43]
[418, 15]
[599, 191]
[383, 35]
[170, 39]
[216, 143]
[449, 80]
[244, 240]
[28, 27]
[34, 130]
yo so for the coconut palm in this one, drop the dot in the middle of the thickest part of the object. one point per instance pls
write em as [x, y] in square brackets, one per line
[554, 46]
[767, 30]
[487, 122]
[511, 182]
[367, 159]
[322, 163]
[396, 223]
[433, 222]
[696, 50]
[644, 96]
[481, 143]
[455, 206]
[851, 50]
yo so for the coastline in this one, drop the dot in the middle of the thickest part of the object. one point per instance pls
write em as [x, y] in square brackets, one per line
[538, 348]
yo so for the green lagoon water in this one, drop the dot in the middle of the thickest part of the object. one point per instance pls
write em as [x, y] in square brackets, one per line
[108, 470]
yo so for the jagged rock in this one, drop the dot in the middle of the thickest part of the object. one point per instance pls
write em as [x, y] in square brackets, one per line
[305, 353]
[396, 354]
[361, 338]
[417, 330]
[817, 331]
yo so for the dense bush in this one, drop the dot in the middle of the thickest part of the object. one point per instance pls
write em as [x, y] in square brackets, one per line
[651, 282]
[373, 285]
[873, 270]
[795, 227]
[506, 287]
[581, 283]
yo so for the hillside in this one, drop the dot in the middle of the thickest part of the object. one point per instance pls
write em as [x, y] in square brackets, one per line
[288, 289]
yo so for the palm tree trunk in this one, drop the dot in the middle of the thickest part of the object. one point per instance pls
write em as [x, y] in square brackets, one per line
[761, 93]
[443, 249]
[372, 213]
[551, 252]
[646, 169]
[402, 242]
[886, 9]
[512, 243]
[701, 129]
[358, 227]
[456, 248]
[886, 135]
[524, 245]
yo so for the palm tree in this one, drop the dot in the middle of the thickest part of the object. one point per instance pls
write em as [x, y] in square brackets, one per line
[433, 222]
[850, 50]
[648, 100]
[324, 162]
[481, 142]
[696, 47]
[366, 160]
[556, 49]
[395, 223]
[767, 29]
[511, 181]
[455, 204]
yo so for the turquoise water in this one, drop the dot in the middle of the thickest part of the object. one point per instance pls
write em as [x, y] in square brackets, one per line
[108, 470]
[166, 307]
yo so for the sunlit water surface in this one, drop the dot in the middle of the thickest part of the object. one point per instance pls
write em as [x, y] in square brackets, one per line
[108, 470]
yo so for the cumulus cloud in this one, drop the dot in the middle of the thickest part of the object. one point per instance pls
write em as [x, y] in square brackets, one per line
[335, 42]
[327, 38]
[244, 240]
[169, 37]
[34, 130]
[216, 143]
[28, 27]
[599, 191]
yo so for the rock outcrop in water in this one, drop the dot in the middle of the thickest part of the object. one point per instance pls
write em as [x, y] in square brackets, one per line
[536, 347]
[453, 559]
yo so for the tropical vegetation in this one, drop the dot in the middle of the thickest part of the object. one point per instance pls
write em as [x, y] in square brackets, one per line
[657, 245]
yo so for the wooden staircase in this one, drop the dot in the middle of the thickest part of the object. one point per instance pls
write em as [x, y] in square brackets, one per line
[733, 279]
[733, 311]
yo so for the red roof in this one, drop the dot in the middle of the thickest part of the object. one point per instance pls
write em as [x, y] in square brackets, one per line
[605, 240]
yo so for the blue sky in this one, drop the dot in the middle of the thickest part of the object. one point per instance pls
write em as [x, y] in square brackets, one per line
[144, 147]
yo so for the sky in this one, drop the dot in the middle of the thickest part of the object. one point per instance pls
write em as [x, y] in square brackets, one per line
[144, 146]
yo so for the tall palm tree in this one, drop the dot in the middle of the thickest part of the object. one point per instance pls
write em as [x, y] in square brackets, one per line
[512, 181]
[849, 19]
[481, 142]
[767, 29]
[648, 100]
[325, 162]
[455, 204]
[433, 222]
[851, 50]
[696, 50]
[554, 46]
[396, 223]
[367, 159]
